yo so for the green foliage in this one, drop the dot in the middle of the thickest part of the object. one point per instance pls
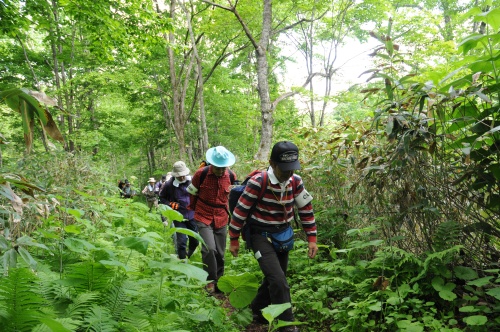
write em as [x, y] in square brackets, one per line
[20, 304]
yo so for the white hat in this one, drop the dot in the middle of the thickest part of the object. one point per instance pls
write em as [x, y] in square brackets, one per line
[151, 180]
[180, 169]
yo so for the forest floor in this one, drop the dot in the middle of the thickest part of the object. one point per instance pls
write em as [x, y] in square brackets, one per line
[250, 328]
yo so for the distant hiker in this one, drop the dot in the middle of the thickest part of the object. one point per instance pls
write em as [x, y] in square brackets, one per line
[127, 191]
[159, 184]
[121, 185]
[209, 196]
[149, 192]
[174, 194]
[268, 231]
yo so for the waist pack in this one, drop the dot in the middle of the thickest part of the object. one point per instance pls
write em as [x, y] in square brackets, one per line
[282, 241]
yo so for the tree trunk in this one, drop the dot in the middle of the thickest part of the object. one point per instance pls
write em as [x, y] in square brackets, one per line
[266, 106]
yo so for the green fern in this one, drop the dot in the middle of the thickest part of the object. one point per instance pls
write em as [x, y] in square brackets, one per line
[115, 300]
[135, 319]
[447, 234]
[88, 277]
[19, 303]
[81, 306]
[443, 257]
[99, 319]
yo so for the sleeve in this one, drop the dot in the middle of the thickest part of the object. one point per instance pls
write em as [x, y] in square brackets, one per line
[193, 188]
[242, 209]
[165, 193]
[305, 209]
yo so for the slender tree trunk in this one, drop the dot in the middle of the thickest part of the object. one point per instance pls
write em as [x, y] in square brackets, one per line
[266, 106]
[199, 84]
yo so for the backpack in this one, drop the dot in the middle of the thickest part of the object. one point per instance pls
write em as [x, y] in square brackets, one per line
[235, 193]
[236, 190]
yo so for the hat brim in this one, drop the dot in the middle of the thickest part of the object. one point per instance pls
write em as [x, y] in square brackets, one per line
[220, 163]
[289, 166]
[179, 174]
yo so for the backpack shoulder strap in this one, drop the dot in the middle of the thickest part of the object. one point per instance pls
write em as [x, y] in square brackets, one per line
[203, 174]
[171, 189]
[263, 186]
[232, 176]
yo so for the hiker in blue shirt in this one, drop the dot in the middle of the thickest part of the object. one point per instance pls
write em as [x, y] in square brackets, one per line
[173, 193]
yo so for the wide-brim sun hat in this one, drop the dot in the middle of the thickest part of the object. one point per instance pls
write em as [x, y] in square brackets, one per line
[219, 156]
[179, 169]
[151, 180]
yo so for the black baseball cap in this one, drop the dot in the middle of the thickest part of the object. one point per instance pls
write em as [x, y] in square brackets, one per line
[286, 155]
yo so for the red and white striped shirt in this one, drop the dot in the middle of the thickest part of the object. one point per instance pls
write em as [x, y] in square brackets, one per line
[275, 208]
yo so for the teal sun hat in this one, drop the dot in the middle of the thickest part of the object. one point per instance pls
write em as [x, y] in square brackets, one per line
[219, 156]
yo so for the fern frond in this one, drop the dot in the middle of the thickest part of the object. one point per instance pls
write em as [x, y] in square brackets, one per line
[99, 319]
[21, 304]
[82, 305]
[444, 257]
[447, 234]
[88, 277]
[115, 300]
[135, 319]
[59, 324]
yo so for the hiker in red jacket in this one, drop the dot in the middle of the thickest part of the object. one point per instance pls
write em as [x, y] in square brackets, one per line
[209, 190]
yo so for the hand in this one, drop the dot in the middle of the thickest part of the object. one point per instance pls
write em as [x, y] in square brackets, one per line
[174, 205]
[234, 249]
[313, 249]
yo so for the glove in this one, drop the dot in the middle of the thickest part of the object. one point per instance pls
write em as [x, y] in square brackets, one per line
[174, 205]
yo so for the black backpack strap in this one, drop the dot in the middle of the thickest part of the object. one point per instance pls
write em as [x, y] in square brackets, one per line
[172, 190]
[203, 175]
[232, 176]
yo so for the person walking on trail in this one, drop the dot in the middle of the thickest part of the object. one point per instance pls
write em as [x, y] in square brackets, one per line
[209, 197]
[267, 216]
[149, 192]
[174, 194]
[159, 184]
[127, 191]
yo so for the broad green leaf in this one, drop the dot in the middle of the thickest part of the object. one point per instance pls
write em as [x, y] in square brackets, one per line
[53, 325]
[191, 271]
[409, 326]
[476, 320]
[241, 288]
[447, 295]
[9, 258]
[170, 214]
[375, 307]
[465, 273]
[74, 229]
[480, 282]
[491, 17]
[115, 263]
[468, 308]
[135, 243]
[26, 256]
[78, 245]
[186, 231]
[28, 242]
[272, 311]
[495, 292]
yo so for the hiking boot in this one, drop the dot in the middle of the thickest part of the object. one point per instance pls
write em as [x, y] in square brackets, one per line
[289, 329]
[259, 319]
[210, 287]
